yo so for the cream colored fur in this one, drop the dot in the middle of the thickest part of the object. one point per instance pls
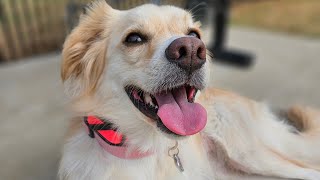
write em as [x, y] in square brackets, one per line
[243, 139]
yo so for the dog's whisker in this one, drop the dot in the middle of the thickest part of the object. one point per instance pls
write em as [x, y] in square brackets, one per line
[200, 9]
[209, 53]
[196, 6]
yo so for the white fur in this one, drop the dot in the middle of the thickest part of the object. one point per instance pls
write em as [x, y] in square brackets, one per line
[238, 141]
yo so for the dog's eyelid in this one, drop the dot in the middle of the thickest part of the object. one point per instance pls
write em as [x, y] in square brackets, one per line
[135, 38]
[194, 31]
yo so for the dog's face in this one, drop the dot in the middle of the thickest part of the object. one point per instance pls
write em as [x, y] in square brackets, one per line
[139, 68]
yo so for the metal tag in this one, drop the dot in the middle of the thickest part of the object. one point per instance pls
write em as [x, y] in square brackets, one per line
[174, 152]
[178, 162]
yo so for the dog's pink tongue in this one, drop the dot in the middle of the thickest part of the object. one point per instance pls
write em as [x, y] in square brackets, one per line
[178, 115]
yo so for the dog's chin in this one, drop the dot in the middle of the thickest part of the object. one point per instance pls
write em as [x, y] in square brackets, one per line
[148, 105]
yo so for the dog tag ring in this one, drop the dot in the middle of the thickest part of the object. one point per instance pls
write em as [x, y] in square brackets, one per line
[175, 156]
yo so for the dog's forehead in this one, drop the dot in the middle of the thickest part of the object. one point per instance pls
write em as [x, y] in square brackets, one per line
[149, 14]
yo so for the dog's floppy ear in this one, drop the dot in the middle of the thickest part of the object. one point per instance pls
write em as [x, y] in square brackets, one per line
[85, 48]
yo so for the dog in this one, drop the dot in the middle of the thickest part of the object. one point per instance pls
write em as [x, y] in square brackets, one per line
[137, 83]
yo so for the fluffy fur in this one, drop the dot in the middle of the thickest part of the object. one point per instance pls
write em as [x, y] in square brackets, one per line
[243, 139]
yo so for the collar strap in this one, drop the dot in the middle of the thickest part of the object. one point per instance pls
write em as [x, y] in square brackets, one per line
[109, 139]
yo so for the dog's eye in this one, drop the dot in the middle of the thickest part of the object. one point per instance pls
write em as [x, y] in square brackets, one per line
[194, 34]
[135, 38]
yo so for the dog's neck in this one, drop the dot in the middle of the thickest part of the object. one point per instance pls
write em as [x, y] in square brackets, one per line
[110, 140]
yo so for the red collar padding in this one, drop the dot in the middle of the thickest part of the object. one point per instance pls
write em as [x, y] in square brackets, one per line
[104, 129]
[111, 140]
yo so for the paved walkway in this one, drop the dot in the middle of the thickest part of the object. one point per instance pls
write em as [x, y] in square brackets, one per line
[33, 119]
[32, 104]
[286, 70]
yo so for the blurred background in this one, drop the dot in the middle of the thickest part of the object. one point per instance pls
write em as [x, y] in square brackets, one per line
[267, 50]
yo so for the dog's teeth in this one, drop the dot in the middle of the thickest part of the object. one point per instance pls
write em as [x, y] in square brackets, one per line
[151, 103]
[147, 99]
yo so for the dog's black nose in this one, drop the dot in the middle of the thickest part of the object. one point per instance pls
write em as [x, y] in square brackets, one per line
[189, 53]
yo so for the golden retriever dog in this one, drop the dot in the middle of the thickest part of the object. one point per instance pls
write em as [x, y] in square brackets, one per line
[134, 79]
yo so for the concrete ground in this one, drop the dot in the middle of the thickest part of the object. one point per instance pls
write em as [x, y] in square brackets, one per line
[286, 69]
[33, 115]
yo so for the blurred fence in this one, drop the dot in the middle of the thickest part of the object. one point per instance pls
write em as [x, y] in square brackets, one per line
[74, 7]
[29, 27]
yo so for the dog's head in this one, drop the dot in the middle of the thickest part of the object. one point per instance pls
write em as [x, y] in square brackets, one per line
[139, 68]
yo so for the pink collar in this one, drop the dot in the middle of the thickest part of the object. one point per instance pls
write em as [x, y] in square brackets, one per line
[110, 140]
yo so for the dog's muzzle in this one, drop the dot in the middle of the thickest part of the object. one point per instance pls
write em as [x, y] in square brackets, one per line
[189, 53]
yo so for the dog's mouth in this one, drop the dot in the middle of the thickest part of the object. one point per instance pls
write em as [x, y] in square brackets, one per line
[174, 111]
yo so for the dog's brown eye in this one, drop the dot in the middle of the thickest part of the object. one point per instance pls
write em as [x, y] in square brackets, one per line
[194, 34]
[134, 38]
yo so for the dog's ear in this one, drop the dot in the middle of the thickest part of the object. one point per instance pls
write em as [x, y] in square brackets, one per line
[85, 48]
